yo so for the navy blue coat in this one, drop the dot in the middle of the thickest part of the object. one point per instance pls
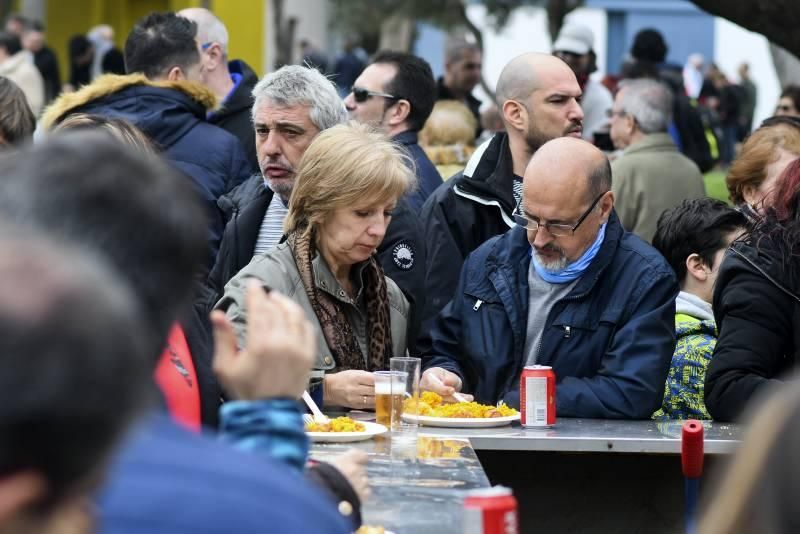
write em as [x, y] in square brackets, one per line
[173, 115]
[610, 340]
[428, 178]
[166, 479]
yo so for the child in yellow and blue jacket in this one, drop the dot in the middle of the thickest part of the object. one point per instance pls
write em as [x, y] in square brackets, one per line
[693, 237]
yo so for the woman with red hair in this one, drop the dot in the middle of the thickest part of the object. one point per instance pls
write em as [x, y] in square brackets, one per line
[757, 304]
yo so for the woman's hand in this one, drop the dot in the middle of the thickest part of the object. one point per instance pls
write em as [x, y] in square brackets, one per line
[352, 389]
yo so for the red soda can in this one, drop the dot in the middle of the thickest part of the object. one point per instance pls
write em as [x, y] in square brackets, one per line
[491, 511]
[537, 396]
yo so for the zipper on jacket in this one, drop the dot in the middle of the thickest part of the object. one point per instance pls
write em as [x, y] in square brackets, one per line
[477, 305]
[567, 331]
[475, 198]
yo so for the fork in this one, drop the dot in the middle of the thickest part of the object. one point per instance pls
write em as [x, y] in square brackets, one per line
[456, 395]
[318, 415]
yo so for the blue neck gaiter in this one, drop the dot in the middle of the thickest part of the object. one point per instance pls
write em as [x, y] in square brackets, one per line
[574, 269]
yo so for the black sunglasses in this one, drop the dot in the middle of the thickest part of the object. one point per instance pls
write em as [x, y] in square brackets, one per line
[361, 95]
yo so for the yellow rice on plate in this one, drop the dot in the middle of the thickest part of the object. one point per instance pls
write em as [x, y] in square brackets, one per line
[431, 405]
[339, 424]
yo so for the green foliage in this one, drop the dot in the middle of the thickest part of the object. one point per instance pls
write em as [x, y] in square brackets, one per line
[715, 185]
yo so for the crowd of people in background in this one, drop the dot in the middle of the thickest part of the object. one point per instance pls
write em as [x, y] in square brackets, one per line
[233, 240]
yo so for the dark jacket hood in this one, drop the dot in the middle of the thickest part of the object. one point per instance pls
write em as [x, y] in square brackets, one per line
[159, 108]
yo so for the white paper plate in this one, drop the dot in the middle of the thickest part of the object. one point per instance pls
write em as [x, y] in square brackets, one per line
[370, 431]
[461, 422]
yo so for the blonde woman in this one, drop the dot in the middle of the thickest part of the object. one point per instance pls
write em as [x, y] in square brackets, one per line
[349, 181]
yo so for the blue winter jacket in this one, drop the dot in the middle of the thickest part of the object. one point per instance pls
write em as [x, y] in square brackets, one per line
[428, 178]
[166, 479]
[609, 341]
[173, 115]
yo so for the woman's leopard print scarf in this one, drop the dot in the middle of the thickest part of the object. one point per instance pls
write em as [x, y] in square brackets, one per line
[335, 327]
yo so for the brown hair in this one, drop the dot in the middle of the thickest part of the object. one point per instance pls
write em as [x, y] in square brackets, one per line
[758, 151]
[120, 129]
[345, 166]
[17, 121]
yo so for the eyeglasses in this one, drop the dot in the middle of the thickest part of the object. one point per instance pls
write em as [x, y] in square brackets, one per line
[556, 229]
[612, 113]
[361, 95]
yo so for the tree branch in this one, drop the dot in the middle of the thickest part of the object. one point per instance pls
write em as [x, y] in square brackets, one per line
[777, 20]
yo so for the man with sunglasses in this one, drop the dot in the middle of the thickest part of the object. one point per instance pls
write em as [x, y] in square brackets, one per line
[568, 287]
[396, 94]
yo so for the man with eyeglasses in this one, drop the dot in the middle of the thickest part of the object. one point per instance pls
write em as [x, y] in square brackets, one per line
[651, 175]
[396, 93]
[232, 81]
[568, 287]
[539, 99]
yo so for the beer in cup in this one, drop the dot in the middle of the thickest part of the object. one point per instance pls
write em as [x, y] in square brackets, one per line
[406, 429]
[390, 391]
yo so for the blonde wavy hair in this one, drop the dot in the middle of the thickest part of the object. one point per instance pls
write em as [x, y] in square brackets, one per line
[346, 166]
[450, 123]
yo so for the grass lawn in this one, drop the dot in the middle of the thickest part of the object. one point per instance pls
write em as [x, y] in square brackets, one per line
[715, 185]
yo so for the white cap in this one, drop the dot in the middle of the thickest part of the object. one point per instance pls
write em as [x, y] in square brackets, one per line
[574, 38]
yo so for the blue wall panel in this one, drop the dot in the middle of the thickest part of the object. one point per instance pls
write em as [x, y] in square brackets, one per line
[685, 28]
[430, 45]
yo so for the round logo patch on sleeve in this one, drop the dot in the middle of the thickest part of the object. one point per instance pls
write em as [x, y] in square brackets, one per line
[403, 255]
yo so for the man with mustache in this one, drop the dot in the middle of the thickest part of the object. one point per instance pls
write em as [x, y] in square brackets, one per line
[539, 100]
[569, 288]
[291, 106]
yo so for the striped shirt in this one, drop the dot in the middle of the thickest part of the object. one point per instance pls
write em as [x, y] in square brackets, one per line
[517, 191]
[271, 230]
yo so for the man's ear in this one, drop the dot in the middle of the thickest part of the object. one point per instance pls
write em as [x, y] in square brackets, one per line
[630, 123]
[215, 56]
[18, 491]
[175, 74]
[398, 114]
[697, 268]
[515, 115]
[606, 205]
